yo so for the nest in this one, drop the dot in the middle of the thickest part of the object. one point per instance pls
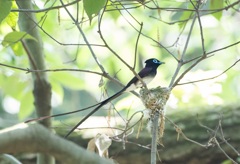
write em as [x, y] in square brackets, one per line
[155, 100]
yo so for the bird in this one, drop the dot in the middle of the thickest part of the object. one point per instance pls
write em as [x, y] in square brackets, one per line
[147, 74]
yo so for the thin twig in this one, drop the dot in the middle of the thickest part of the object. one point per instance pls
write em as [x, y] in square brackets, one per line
[180, 132]
[27, 70]
[14, 67]
[210, 78]
[222, 134]
[200, 25]
[173, 81]
[46, 9]
[223, 48]
[213, 140]
[136, 46]
[84, 38]
[127, 128]
[110, 49]
[155, 123]
[218, 145]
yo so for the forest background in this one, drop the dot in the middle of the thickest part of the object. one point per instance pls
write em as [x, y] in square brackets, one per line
[61, 56]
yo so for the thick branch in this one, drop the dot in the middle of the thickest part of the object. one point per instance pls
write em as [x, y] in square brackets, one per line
[36, 138]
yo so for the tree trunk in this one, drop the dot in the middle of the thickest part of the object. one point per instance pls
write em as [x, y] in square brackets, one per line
[34, 50]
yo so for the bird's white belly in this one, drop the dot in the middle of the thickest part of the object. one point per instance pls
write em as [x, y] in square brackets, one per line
[139, 84]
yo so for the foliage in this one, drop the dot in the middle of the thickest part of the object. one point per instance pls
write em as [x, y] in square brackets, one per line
[5, 8]
[93, 7]
[87, 57]
[185, 95]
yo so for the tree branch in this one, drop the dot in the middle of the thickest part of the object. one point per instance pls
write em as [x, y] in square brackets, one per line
[35, 138]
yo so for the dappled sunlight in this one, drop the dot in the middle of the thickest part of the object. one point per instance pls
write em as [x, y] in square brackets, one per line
[203, 92]
[69, 65]
[11, 105]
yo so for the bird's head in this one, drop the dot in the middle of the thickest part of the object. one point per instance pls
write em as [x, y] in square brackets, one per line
[153, 62]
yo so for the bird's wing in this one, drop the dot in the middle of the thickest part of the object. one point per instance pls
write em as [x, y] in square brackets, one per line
[135, 83]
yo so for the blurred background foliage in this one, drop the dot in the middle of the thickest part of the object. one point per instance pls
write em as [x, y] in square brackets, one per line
[74, 90]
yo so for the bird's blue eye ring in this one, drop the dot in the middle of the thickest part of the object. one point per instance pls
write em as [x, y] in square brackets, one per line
[155, 61]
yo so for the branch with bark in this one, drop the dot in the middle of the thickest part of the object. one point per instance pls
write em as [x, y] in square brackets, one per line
[36, 138]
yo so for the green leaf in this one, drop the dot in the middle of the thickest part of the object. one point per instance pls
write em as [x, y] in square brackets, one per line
[13, 86]
[12, 20]
[5, 8]
[17, 49]
[184, 16]
[58, 89]
[14, 37]
[19, 90]
[26, 107]
[92, 7]
[217, 4]
[46, 2]
[114, 14]
[67, 79]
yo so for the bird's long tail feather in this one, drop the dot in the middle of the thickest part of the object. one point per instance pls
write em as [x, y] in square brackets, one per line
[96, 109]
[61, 114]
